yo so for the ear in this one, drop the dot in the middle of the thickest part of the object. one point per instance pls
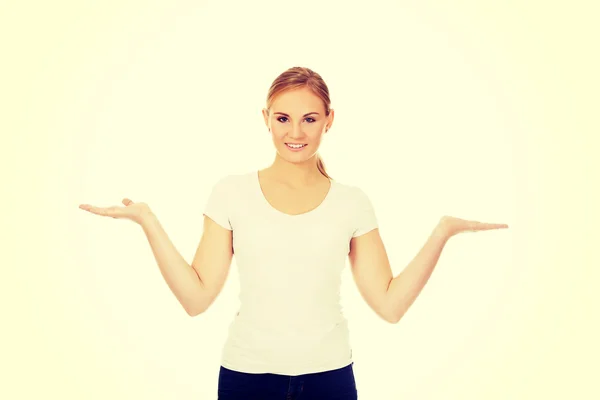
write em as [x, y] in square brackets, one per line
[331, 116]
[265, 114]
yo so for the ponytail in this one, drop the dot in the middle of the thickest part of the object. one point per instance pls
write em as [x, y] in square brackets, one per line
[321, 166]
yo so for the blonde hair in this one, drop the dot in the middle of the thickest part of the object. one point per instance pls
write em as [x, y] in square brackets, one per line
[297, 78]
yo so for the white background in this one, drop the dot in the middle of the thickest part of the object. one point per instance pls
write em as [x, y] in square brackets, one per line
[479, 110]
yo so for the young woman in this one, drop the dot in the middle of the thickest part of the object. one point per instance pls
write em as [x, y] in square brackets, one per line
[291, 227]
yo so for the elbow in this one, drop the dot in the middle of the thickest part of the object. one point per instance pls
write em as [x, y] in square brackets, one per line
[389, 317]
[394, 316]
[392, 319]
[192, 313]
[194, 310]
[394, 311]
[197, 305]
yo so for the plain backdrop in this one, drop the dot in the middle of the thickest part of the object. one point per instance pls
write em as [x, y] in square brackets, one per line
[481, 110]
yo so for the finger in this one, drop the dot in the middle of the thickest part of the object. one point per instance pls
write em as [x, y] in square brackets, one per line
[92, 209]
[495, 226]
[488, 226]
[105, 211]
[499, 226]
[127, 201]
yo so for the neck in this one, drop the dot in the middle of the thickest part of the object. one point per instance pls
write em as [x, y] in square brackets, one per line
[295, 174]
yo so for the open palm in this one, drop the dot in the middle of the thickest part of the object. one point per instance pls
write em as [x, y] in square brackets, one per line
[132, 211]
[456, 225]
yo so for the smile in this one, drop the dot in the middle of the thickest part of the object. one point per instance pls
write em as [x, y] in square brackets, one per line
[295, 146]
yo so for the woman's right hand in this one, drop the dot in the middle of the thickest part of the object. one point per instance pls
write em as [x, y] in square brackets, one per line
[135, 212]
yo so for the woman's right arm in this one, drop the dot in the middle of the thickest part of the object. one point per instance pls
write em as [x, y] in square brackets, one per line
[197, 285]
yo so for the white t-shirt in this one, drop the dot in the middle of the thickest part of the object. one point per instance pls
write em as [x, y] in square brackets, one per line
[290, 319]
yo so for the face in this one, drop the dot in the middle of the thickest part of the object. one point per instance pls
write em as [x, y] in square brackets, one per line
[297, 122]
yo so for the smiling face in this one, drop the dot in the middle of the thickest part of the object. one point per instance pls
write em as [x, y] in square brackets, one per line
[297, 122]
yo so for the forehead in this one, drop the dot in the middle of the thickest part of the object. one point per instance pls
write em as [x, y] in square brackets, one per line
[299, 100]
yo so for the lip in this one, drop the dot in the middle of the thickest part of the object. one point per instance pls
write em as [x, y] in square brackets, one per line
[299, 149]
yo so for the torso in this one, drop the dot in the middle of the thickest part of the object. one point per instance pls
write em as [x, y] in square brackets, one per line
[293, 201]
[290, 262]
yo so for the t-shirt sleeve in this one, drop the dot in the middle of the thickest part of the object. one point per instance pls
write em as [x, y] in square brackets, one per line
[365, 219]
[217, 206]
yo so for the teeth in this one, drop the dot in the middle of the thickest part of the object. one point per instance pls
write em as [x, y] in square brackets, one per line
[295, 146]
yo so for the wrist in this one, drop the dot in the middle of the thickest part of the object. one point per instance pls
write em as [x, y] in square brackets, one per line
[146, 218]
[444, 228]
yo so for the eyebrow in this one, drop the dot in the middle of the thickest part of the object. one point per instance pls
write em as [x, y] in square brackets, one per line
[303, 115]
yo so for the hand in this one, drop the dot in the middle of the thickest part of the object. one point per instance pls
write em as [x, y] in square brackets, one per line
[453, 225]
[135, 212]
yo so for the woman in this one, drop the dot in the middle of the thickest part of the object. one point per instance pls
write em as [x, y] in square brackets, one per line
[291, 228]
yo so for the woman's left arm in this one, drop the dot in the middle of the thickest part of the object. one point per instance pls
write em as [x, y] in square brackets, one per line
[390, 297]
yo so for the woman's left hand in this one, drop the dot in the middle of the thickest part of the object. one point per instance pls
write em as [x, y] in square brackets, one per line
[453, 225]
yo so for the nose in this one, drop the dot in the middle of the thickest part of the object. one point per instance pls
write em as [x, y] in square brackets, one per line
[296, 132]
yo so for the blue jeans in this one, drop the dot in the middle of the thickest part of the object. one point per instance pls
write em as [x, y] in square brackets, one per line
[337, 384]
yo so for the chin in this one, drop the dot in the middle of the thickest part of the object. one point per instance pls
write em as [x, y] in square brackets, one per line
[296, 156]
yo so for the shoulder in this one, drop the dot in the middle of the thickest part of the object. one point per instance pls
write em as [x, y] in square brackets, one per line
[351, 198]
[350, 192]
[231, 181]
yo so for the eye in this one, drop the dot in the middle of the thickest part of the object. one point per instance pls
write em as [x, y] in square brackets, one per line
[311, 119]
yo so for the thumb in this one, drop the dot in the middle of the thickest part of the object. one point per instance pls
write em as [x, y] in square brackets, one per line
[127, 201]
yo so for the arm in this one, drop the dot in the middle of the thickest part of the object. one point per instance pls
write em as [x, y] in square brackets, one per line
[405, 287]
[389, 296]
[196, 285]
[371, 271]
